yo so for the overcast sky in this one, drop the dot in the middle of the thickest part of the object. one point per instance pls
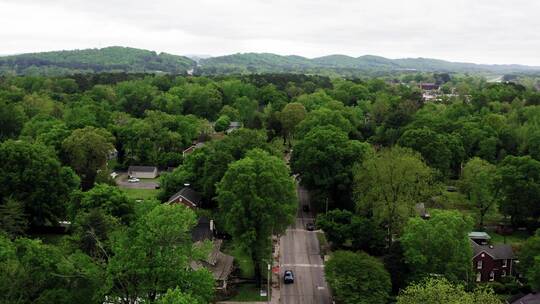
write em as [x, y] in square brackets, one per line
[481, 31]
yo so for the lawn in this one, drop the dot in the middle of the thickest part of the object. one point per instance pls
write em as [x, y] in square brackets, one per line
[515, 239]
[247, 293]
[140, 193]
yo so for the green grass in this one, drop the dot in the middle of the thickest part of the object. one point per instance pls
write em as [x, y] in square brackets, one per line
[241, 257]
[149, 180]
[141, 193]
[247, 293]
[515, 239]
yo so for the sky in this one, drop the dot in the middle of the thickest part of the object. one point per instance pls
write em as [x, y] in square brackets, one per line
[479, 31]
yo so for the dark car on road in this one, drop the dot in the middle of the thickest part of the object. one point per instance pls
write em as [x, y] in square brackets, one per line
[310, 226]
[288, 277]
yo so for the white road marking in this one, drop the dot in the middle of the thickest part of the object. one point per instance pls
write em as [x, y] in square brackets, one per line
[303, 265]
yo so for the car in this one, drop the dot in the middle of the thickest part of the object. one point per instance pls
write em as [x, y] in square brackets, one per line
[305, 208]
[288, 277]
[310, 226]
[133, 180]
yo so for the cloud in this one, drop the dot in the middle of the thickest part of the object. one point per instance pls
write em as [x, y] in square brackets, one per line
[485, 31]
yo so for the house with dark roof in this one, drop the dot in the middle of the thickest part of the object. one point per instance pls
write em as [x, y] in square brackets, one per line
[186, 196]
[143, 171]
[492, 262]
[219, 264]
[531, 298]
[192, 148]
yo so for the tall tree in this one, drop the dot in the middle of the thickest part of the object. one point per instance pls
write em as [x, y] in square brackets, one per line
[478, 183]
[519, 183]
[357, 278]
[31, 174]
[440, 291]
[439, 246]
[324, 158]
[13, 221]
[390, 184]
[257, 198]
[153, 255]
[291, 115]
[12, 119]
[86, 150]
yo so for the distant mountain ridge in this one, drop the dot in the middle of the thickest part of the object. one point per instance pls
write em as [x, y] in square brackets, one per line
[267, 62]
[132, 60]
[109, 59]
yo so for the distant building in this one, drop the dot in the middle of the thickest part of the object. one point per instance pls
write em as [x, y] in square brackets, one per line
[429, 87]
[192, 148]
[143, 171]
[233, 126]
[186, 196]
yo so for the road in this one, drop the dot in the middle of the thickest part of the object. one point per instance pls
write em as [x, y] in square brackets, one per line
[299, 252]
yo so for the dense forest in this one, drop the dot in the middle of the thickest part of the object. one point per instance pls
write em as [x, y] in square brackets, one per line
[368, 151]
[110, 59]
[131, 60]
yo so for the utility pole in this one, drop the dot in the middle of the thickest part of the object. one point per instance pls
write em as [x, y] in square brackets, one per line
[268, 285]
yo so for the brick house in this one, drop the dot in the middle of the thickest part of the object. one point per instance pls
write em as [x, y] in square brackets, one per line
[186, 196]
[492, 262]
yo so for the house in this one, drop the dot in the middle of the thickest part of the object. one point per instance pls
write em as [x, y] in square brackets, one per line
[143, 171]
[421, 211]
[531, 298]
[479, 237]
[219, 264]
[233, 126]
[192, 148]
[429, 87]
[492, 262]
[186, 196]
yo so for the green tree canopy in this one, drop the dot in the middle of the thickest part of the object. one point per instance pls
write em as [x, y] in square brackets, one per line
[439, 246]
[357, 278]
[325, 157]
[478, 182]
[31, 174]
[519, 183]
[153, 255]
[440, 291]
[257, 198]
[389, 184]
[86, 150]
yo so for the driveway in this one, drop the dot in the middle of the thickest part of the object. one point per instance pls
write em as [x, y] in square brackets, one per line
[299, 252]
[121, 181]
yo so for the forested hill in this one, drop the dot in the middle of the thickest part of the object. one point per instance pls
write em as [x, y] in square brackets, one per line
[131, 60]
[342, 65]
[109, 59]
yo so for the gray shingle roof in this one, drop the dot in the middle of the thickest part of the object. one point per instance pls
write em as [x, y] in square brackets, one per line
[497, 251]
[142, 168]
[187, 194]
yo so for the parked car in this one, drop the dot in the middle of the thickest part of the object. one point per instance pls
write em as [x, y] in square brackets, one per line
[288, 277]
[305, 208]
[310, 226]
[133, 180]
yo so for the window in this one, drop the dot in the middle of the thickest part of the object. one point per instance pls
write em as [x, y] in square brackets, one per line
[478, 277]
[479, 264]
[503, 273]
[505, 263]
[491, 276]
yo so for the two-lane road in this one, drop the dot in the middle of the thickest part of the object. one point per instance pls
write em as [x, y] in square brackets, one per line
[299, 252]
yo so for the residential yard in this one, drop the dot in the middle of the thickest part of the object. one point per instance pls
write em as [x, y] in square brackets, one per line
[247, 293]
[141, 194]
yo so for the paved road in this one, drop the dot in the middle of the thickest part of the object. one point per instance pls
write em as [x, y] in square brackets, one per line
[121, 181]
[299, 252]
